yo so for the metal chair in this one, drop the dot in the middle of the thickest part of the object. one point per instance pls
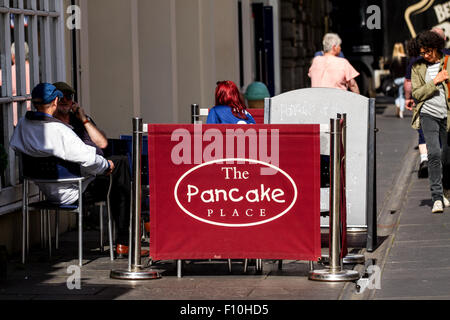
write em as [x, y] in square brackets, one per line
[53, 170]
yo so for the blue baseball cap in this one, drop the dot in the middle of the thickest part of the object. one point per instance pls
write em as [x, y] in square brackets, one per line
[45, 93]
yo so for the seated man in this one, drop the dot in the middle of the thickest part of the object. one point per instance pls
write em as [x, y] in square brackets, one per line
[39, 134]
[71, 113]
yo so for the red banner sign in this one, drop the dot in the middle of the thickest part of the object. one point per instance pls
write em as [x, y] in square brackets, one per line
[258, 115]
[234, 192]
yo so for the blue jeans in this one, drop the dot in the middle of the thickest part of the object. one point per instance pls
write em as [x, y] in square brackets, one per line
[435, 132]
[421, 137]
[400, 100]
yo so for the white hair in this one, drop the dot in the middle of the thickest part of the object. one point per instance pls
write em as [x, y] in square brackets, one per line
[330, 40]
[26, 47]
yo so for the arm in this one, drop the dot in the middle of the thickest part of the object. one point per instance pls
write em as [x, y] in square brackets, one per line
[409, 100]
[68, 146]
[94, 133]
[422, 90]
[353, 86]
[350, 76]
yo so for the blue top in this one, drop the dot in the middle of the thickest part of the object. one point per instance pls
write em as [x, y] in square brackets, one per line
[41, 114]
[320, 53]
[223, 115]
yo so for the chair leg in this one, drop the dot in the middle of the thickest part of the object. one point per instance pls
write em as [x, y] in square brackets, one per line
[179, 268]
[49, 234]
[28, 229]
[80, 224]
[44, 223]
[259, 265]
[41, 224]
[101, 227]
[80, 237]
[57, 229]
[110, 224]
[42, 232]
[110, 234]
[24, 219]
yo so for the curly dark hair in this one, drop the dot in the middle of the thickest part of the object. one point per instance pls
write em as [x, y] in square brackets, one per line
[426, 39]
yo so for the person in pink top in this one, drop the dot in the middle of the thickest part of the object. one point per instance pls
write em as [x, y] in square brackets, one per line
[331, 71]
[14, 80]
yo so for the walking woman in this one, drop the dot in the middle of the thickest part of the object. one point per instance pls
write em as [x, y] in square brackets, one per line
[230, 107]
[398, 70]
[429, 87]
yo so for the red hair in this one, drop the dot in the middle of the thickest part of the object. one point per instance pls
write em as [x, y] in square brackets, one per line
[228, 94]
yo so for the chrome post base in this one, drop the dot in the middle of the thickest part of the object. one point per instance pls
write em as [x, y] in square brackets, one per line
[328, 275]
[136, 273]
[348, 259]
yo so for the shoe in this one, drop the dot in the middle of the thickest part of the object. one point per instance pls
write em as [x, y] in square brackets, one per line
[423, 170]
[438, 207]
[447, 193]
[446, 202]
[122, 251]
[400, 114]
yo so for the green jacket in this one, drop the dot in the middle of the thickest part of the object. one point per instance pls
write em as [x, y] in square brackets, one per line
[422, 91]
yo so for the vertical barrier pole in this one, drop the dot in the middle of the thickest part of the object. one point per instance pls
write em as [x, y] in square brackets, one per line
[335, 271]
[195, 113]
[135, 270]
[349, 258]
[335, 196]
[136, 195]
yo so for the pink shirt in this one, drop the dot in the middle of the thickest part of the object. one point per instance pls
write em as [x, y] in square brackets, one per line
[14, 88]
[331, 72]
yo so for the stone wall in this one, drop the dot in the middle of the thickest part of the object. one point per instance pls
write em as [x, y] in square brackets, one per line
[303, 24]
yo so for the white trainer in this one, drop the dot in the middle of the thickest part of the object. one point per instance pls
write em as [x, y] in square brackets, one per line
[446, 193]
[446, 202]
[438, 207]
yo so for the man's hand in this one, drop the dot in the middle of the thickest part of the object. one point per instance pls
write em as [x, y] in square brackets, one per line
[441, 77]
[111, 168]
[79, 112]
[409, 104]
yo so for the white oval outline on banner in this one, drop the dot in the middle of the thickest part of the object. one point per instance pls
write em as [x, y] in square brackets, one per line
[241, 224]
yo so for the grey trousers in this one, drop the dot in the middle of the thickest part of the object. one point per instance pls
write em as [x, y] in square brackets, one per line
[435, 132]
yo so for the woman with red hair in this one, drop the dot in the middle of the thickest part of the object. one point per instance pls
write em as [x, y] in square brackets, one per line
[230, 108]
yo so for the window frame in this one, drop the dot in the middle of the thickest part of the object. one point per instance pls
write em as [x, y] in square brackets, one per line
[47, 63]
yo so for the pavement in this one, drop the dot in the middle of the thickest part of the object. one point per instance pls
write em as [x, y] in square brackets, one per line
[412, 260]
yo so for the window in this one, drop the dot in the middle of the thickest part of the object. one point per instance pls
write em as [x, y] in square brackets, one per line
[31, 51]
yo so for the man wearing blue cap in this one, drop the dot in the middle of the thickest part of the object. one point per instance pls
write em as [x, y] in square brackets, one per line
[39, 134]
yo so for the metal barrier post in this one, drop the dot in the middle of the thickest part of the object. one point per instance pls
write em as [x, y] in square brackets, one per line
[350, 258]
[195, 113]
[135, 269]
[335, 271]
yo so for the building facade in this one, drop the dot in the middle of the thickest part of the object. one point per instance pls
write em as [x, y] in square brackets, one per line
[144, 58]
